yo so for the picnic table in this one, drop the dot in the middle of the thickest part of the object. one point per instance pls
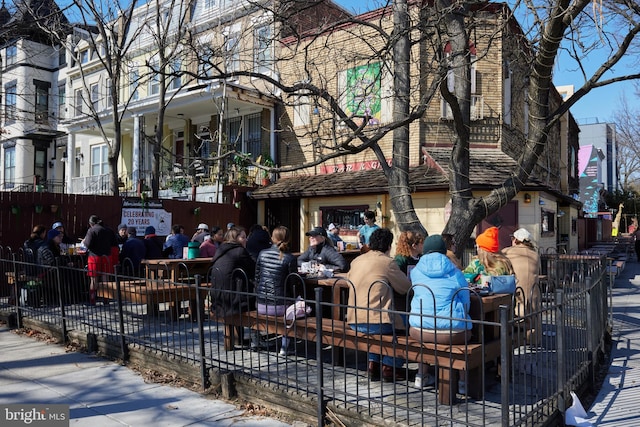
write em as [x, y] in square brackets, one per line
[175, 269]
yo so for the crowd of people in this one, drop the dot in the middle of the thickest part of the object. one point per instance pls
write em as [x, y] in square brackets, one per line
[424, 278]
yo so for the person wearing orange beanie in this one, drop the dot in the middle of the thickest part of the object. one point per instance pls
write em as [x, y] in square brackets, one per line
[489, 261]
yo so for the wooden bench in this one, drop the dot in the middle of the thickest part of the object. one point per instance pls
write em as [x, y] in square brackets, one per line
[449, 360]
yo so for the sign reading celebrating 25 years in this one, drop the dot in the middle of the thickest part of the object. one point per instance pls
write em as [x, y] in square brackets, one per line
[139, 214]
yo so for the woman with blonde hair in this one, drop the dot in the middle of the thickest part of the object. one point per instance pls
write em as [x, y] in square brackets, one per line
[273, 266]
[408, 250]
[489, 261]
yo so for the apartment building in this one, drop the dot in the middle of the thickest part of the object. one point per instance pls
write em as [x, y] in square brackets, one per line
[340, 189]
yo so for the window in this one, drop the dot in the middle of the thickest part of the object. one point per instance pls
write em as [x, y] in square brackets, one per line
[133, 83]
[9, 167]
[477, 104]
[42, 101]
[347, 218]
[176, 80]
[78, 100]
[154, 80]
[547, 223]
[95, 96]
[107, 89]
[12, 54]
[232, 52]
[301, 112]
[506, 89]
[99, 161]
[62, 56]
[209, 4]
[252, 144]
[84, 56]
[205, 68]
[262, 49]
[62, 93]
[10, 100]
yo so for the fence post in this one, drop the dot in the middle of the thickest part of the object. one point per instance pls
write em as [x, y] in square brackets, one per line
[18, 293]
[61, 302]
[560, 355]
[320, 373]
[593, 329]
[204, 378]
[506, 354]
[123, 341]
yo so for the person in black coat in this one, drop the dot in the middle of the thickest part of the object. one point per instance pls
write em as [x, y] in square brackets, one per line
[322, 251]
[272, 268]
[227, 283]
[33, 243]
[258, 241]
[153, 246]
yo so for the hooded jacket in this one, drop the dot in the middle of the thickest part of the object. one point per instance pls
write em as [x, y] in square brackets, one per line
[436, 280]
[229, 286]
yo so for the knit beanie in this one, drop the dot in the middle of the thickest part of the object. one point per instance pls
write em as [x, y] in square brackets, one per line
[434, 243]
[149, 230]
[488, 240]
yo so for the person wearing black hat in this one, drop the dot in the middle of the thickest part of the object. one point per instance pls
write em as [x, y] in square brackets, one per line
[322, 251]
[133, 251]
[122, 234]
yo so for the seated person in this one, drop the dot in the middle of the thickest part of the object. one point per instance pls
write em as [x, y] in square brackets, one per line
[375, 277]
[173, 246]
[334, 235]
[489, 261]
[436, 279]
[321, 250]
[133, 251]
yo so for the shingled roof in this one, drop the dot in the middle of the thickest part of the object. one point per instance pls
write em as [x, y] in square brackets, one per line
[488, 169]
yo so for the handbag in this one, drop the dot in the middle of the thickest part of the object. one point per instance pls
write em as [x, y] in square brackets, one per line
[505, 284]
[297, 310]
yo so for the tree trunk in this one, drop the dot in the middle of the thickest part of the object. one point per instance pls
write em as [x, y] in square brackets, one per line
[398, 174]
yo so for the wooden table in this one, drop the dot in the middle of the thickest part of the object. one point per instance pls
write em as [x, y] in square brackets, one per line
[175, 270]
[150, 293]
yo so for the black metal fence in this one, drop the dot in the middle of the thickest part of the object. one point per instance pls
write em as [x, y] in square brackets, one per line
[527, 384]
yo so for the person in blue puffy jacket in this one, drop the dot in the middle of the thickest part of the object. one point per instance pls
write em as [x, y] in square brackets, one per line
[436, 280]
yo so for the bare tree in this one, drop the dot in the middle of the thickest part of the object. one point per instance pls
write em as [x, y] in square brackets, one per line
[102, 27]
[628, 140]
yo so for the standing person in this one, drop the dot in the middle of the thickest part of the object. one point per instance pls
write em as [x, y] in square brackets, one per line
[133, 251]
[408, 250]
[322, 251]
[33, 243]
[489, 261]
[100, 242]
[208, 248]
[122, 234]
[201, 231]
[364, 233]
[229, 286]
[272, 268]
[66, 239]
[334, 235]
[451, 250]
[176, 242]
[437, 285]
[525, 261]
[153, 246]
[258, 240]
[369, 273]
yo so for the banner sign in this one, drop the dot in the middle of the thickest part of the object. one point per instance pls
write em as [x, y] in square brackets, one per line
[139, 214]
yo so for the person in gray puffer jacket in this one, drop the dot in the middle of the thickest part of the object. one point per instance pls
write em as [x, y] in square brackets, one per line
[272, 268]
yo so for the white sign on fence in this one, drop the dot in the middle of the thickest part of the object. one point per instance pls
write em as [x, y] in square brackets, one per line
[140, 215]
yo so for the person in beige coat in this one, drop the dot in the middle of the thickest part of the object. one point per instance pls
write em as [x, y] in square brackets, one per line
[376, 277]
[525, 261]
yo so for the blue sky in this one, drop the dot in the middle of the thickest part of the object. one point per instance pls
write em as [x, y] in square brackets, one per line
[596, 107]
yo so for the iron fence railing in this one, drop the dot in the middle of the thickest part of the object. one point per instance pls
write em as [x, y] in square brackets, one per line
[528, 384]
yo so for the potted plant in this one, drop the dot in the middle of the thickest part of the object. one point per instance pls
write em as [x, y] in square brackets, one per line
[15, 209]
[268, 162]
[38, 208]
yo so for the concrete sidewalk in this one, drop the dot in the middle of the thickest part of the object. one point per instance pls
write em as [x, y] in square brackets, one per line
[102, 393]
[617, 402]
